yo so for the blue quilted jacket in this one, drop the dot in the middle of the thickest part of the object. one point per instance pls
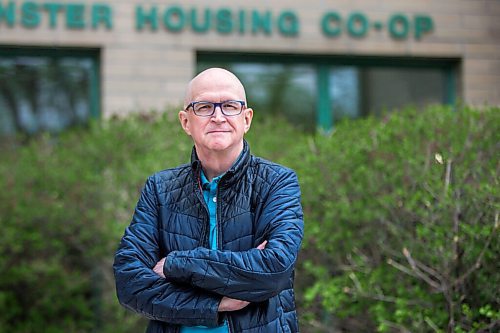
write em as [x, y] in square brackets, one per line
[256, 200]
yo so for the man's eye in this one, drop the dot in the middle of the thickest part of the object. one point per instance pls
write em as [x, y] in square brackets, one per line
[203, 107]
[230, 106]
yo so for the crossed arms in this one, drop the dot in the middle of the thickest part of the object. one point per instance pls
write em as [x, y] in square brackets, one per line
[197, 284]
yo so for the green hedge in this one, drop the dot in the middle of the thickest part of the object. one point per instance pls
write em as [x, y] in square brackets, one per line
[401, 220]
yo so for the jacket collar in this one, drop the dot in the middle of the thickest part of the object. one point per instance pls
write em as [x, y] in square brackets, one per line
[233, 174]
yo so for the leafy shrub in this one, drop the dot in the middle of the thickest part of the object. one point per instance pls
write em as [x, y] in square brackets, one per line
[65, 203]
[401, 219]
[402, 223]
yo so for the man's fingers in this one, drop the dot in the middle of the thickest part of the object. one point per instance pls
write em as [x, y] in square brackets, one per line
[158, 269]
[262, 245]
[231, 304]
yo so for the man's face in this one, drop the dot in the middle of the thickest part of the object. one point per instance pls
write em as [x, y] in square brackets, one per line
[217, 132]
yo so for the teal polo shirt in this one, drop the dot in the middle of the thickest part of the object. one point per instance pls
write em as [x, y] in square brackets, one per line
[210, 196]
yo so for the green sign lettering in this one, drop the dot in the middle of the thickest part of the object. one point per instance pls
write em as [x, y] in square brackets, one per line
[75, 16]
[423, 25]
[288, 23]
[205, 25]
[399, 26]
[174, 19]
[8, 13]
[30, 17]
[142, 18]
[224, 21]
[52, 9]
[261, 22]
[242, 22]
[102, 14]
[330, 24]
[357, 25]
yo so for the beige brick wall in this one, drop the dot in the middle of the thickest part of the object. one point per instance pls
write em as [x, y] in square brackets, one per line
[145, 70]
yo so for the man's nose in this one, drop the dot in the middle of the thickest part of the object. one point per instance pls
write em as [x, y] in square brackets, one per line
[218, 116]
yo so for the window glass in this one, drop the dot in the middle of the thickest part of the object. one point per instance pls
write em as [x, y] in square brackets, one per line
[43, 93]
[392, 88]
[287, 90]
[344, 93]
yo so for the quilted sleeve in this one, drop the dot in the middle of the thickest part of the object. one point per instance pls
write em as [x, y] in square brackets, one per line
[253, 275]
[140, 289]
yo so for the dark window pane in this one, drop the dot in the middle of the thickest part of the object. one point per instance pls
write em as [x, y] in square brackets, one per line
[390, 88]
[43, 93]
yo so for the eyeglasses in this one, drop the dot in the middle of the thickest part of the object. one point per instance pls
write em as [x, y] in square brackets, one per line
[207, 109]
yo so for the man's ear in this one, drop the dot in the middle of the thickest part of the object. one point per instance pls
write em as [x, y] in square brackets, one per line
[183, 118]
[248, 119]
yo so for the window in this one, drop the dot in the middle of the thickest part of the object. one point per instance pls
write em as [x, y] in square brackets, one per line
[391, 88]
[344, 92]
[287, 90]
[47, 90]
[319, 91]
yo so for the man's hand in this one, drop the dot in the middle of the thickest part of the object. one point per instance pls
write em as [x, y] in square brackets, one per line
[262, 245]
[231, 304]
[158, 269]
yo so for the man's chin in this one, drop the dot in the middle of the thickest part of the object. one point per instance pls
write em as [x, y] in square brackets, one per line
[217, 144]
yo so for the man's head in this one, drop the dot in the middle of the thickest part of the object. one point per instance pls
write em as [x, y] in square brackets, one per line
[217, 132]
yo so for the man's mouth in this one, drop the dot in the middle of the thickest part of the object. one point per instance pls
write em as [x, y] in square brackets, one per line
[218, 131]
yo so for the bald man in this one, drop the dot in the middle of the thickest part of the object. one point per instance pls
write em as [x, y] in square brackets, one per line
[212, 244]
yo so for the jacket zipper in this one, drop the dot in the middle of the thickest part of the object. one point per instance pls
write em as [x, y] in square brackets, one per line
[228, 324]
[199, 194]
[218, 229]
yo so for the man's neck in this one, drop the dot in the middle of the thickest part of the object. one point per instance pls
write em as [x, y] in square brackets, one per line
[215, 163]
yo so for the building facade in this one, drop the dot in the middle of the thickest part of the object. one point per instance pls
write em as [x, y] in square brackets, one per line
[314, 61]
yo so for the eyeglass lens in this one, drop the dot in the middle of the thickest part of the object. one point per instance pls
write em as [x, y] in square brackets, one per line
[228, 108]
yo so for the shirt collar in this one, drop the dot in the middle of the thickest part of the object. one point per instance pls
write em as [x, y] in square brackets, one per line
[204, 180]
[233, 174]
